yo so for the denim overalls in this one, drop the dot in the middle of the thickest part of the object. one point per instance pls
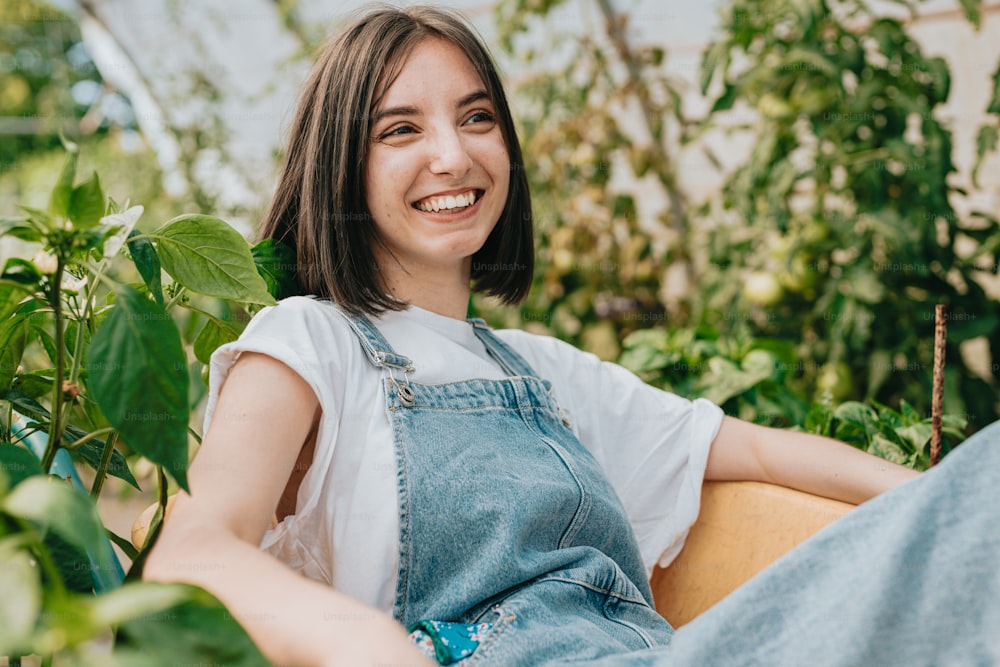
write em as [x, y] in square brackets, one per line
[507, 523]
[506, 519]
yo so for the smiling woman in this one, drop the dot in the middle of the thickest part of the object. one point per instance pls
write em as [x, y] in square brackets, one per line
[500, 496]
[415, 98]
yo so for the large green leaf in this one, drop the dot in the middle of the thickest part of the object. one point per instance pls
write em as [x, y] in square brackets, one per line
[86, 204]
[21, 601]
[53, 505]
[198, 631]
[276, 264]
[209, 257]
[147, 262]
[137, 373]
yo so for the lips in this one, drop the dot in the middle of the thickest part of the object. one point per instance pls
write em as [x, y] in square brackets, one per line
[449, 203]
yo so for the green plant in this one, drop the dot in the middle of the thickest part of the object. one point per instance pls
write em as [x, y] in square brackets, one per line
[97, 362]
[754, 379]
[845, 204]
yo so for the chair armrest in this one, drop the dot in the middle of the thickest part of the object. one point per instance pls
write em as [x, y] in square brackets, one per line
[742, 528]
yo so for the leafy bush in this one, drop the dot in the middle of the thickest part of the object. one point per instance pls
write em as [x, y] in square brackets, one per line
[97, 363]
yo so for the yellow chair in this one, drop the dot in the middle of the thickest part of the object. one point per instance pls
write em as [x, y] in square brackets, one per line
[742, 528]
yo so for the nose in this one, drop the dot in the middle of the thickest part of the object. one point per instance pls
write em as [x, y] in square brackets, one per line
[449, 154]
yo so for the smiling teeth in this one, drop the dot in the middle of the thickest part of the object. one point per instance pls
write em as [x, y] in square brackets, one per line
[447, 203]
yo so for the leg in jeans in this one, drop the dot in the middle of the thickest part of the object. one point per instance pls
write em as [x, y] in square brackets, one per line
[910, 578]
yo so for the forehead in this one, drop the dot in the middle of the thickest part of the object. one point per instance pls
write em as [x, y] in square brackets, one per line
[434, 66]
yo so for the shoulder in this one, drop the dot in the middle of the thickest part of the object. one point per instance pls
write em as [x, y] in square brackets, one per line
[542, 350]
[305, 333]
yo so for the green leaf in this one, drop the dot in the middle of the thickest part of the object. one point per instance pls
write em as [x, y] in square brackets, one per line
[276, 265]
[18, 463]
[13, 337]
[147, 262]
[987, 139]
[26, 405]
[966, 326]
[62, 193]
[209, 257]
[21, 229]
[855, 413]
[137, 373]
[21, 601]
[91, 451]
[198, 631]
[887, 449]
[994, 105]
[972, 9]
[21, 271]
[11, 296]
[87, 204]
[216, 332]
[134, 601]
[917, 435]
[726, 380]
[55, 506]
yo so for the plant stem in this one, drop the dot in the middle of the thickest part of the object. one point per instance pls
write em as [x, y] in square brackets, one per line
[88, 311]
[177, 297]
[102, 470]
[55, 416]
[88, 436]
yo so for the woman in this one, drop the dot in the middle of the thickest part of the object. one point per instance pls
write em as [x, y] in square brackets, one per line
[502, 495]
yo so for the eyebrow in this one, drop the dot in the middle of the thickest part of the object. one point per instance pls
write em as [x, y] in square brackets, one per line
[414, 111]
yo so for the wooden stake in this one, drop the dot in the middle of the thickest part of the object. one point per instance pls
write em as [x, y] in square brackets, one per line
[937, 398]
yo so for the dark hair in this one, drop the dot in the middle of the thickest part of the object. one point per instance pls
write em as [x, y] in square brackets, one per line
[319, 208]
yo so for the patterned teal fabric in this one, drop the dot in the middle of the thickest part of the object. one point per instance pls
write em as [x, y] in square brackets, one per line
[448, 643]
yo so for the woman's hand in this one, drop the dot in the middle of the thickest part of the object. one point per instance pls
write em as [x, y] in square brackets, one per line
[381, 642]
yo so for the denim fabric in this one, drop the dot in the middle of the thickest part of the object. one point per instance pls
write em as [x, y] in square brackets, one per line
[506, 519]
[909, 579]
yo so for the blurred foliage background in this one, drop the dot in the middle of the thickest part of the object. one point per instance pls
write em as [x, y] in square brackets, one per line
[801, 294]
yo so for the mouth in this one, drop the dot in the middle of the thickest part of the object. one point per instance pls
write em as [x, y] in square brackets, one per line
[453, 203]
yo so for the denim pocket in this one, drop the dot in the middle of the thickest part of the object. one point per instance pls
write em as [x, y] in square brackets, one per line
[501, 616]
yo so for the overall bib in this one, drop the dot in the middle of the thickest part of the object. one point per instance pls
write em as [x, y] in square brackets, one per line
[506, 521]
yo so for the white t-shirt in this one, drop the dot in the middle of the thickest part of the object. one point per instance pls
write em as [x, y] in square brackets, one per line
[345, 530]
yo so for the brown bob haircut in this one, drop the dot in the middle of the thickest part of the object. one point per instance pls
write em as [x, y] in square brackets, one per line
[319, 208]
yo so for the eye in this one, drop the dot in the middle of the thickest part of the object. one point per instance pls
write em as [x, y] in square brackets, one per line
[397, 131]
[480, 117]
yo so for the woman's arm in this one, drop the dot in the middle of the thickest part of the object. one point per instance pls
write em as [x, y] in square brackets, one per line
[264, 414]
[811, 463]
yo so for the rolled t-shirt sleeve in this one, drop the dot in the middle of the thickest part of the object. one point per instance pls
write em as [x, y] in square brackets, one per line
[652, 444]
[289, 333]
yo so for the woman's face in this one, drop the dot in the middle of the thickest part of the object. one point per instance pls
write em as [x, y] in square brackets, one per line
[438, 169]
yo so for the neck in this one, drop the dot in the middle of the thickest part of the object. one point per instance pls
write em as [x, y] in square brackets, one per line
[444, 293]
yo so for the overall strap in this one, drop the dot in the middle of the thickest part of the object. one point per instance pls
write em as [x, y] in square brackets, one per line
[381, 354]
[511, 361]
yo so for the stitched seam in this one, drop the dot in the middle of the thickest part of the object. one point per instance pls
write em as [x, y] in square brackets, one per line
[643, 635]
[489, 641]
[596, 588]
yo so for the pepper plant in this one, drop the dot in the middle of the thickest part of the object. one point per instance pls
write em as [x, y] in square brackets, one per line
[93, 358]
